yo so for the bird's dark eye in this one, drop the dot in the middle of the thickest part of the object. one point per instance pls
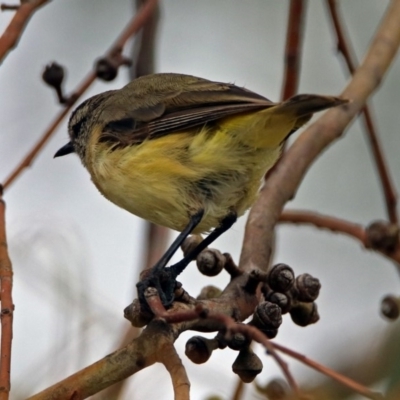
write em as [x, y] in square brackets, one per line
[76, 128]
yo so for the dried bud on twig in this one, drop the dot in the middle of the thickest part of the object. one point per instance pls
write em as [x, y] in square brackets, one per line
[254, 278]
[238, 341]
[281, 300]
[247, 365]
[280, 278]
[210, 262]
[106, 68]
[267, 318]
[307, 288]
[136, 316]
[209, 292]
[390, 307]
[382, 236]
[304, 314]
[276, 389]
[191, 243]
[53, 75]
[199, 349]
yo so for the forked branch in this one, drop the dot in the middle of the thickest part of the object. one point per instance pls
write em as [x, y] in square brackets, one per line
[283, 182]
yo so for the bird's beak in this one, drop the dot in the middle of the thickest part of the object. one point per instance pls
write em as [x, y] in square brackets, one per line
[67, 149]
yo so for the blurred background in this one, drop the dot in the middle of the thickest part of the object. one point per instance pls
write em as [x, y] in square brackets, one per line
[76, 256]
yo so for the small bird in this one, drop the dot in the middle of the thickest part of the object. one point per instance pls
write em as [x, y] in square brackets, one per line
[184, 152]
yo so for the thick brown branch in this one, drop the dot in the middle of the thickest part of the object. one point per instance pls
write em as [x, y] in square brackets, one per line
[13, 32]
[282, 184]
[7, 307]
[344, 380]
[134, 26]
[140, 353]
[389, 190]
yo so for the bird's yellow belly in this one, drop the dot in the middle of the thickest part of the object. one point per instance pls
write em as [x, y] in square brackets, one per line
[166, 180]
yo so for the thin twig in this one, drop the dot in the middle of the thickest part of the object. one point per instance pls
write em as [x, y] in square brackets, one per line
[344, 380]
[239, 388]
[7, 307]
[156, 306]
[255, 334]
[259, 337]
[282, 184]
[9, 7]
[138, 21]
[13, 32]
[134, 25]
[143, 51]
[334, 224]
[28, 159]
[338, 225]
[294, 43]
[293, 50]
[344, 47]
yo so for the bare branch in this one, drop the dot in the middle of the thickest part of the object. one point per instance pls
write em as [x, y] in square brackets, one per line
[7, 307]
[13, 32]
[325, 222]
[388, 187]
[28, 159]
[344, 380]
[139, 354]
[144, 49]
[294, 42]
[338, 225]
[180, 381]
[293, 49]
[282, 184]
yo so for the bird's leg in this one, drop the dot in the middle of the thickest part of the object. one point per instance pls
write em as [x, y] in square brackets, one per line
[225, 224]
[159, 277]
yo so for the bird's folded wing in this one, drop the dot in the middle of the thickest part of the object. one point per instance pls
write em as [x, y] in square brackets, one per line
[179, 111]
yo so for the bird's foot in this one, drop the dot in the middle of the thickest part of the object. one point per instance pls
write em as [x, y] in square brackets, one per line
[161, 278]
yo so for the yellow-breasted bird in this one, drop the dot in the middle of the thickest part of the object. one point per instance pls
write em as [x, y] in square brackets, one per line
[183, 152]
